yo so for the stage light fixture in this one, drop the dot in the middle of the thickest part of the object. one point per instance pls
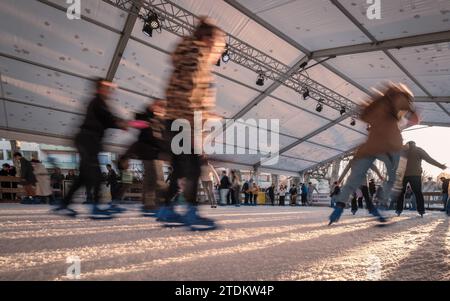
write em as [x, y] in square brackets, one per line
[226, 55]
[151, 22]
[342, 111]
[319, 107]
[305, 93]
[353, 122]
[260, 80]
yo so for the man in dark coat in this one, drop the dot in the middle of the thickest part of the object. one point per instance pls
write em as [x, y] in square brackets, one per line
[88, 143]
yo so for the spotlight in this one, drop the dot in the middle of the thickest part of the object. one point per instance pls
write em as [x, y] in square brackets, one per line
[303, 65]
[226, 55]
[218, 63]
[306, 94]
[147, 30]
[353, 122]
[260, 80]
[151, 22]
[319, 107]
[342, 111]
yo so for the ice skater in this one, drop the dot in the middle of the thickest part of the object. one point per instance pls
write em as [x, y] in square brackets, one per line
[191, 90]
[384, 142]
[151, 145]
[413, 175]
[88, 142]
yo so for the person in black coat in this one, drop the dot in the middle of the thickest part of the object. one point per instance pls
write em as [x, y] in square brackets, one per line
[152, 143]
[88, 143]
[27, 175]
[111, 181]
[5, 172]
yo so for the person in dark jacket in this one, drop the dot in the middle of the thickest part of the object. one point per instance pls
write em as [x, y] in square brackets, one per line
[413, 175]
[111, 181]
[224, 188]
[88, 143]
[7, 171]
[271, 194]
[304, 190]
[28, 177]
[152, 143]
[293, 193]
[246, 191]
[445, 184]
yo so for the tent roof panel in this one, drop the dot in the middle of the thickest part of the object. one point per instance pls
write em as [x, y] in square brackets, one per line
[39, 33]
[232, 97]
[312, 152]
[139, 73]
[334, 82]
[432, 113]
[290, 164]
[369, 69]
[296, 99]
[430, 64]
[402, 18]
[243, 28]
[32, 84]
[100, 11]
[292, 121]
[249, 129]
[42, 120]
[339, 137]
[331, 29]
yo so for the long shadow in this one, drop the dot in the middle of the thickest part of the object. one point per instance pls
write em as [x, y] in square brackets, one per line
[56, 269]
[258, 263]
[43, 243]
[428, 261]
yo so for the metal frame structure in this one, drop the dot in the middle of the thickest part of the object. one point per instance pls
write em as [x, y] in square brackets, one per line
[375, 46]
[181, 22]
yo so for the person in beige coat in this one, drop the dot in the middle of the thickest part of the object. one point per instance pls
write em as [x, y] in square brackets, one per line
[384, 142]
[43, 184]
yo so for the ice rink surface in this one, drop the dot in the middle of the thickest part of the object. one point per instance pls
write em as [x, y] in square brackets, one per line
[253, 243]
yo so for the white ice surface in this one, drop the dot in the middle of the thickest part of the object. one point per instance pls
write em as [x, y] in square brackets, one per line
[253, 243]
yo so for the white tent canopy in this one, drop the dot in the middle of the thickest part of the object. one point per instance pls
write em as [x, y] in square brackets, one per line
[48, 62]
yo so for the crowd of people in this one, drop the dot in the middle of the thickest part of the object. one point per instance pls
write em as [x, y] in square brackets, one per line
[191, 89]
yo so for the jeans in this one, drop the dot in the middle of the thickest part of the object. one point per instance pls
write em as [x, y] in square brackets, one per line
[416, 187]
[223, 195]
[358, 173]
[446, 202]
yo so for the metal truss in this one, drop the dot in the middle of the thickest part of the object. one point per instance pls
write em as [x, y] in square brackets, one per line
[181, 22]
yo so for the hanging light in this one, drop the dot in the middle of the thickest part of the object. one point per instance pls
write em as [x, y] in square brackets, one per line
[319, 106]
[353, 122]
[260, 80]
[305, 93]
[151, 22]
[226, 55]
[342, 111]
